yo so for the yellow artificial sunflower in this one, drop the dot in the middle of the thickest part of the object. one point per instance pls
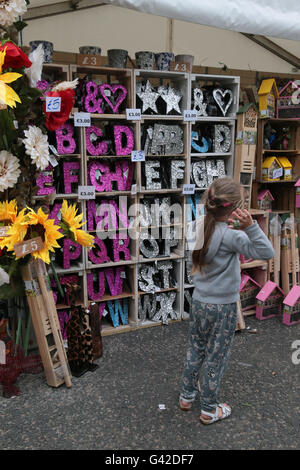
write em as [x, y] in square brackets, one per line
[31, 225]
[71, 223]
[7, 95]
[8, 215]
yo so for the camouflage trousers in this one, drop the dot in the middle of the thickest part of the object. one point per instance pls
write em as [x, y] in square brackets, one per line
[211, 332]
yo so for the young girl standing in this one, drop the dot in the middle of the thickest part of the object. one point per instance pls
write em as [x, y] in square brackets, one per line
[216, 277]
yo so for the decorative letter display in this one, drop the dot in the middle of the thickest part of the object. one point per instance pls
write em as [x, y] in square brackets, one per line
[65, 281]
[158, 100]
[103, 98]
[65, 139]
[45, 182]
[105, 214]
[115, 308]
[163, 175]
[71, 175]
[157, 307]
[210, 101]
[110, 176]
[205, 171]
[98, 144]
[107, 281]
[162, 139]
[118, 249]
[214, 138]
[154, 277]
[71, 251]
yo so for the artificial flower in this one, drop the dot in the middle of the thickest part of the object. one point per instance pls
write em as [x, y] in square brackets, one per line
[34, 73]
[9, 170]
[36, 145]
[7, 94]
[71, 223]
[34, 224]
[56, 119]
[65, 85]
[15, 58]
[10, 10]
[4, 277]
[8, 211]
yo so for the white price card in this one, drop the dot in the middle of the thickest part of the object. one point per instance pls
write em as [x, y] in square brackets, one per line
[86, 192]
[53, 161]
[277, 173]
[189, 115]
[188, 189]
[133, 189]
[2, 352]
[53, 150]
[133, 114]
[138, 156]
[82, 120]
[53, 104]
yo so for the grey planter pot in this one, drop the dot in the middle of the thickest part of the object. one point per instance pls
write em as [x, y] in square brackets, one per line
[145, 60]
[117, 58]
[189, 59]
[90, 50]
[48, 49]
[163, 60]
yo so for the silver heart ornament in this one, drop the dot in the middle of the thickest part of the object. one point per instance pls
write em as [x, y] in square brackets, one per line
[219, 96]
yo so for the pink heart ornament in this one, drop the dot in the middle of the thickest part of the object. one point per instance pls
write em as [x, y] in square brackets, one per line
[113, 89]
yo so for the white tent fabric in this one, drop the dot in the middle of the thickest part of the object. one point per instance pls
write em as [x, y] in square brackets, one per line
[275, 18]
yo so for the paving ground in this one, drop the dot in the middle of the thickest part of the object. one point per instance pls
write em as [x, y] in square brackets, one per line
[117, 406]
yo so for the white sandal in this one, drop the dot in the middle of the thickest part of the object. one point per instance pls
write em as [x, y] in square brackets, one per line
[226, 411]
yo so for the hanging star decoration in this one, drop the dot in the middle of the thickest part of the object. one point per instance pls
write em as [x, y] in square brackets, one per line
[148, 96]
[172, 98]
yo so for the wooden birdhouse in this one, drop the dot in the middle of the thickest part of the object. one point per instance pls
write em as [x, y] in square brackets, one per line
[288, 102]
[264, 200]
[247, 124]
[297, 186]
[287, 168]
[267, 95]
[249, 289]
[269, 301]
[291, 307]
[271, 169]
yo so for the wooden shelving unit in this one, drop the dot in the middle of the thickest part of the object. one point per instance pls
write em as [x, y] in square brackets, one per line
[84, 267]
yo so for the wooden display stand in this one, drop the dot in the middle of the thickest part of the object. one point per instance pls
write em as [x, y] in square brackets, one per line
[46, 324]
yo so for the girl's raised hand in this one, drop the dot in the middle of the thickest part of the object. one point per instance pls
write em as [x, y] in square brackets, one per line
[243, 217]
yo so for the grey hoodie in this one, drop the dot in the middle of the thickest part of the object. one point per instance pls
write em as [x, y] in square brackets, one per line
[219, 281]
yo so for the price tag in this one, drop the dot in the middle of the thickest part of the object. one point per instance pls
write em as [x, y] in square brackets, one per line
[82, 120]
[53, 104]
[53, 150]
[53, 161]
[28, 246]
[181, 67]
[138, 156]
[188, 189]
[88, 59]
[3, 231]
[2, 353]
[189, 115]
[104, 313]
[133, 189]
[133, 114]
[277, 173]
[86, 192]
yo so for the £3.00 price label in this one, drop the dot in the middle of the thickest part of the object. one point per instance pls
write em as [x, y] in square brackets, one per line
[82, 120]
[86, 192]
[28, 246]
[53, 104]
[189, 115]
[138, 156]
[133, 114]
[188, 189]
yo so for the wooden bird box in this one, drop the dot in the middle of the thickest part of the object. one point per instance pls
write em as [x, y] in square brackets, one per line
[291, 307]
[271, 169]
[269, 301]
[249, 289]
[287, 168]
[267, 95]
[264, 200]
[288, 102]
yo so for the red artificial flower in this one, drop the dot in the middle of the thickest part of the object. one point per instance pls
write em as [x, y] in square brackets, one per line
[15, 58]
[56, 119]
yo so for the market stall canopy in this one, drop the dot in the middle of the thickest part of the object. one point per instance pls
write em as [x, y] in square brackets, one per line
[276, 18]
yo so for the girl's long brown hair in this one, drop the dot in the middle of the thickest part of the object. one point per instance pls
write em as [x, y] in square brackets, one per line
[222, 197]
